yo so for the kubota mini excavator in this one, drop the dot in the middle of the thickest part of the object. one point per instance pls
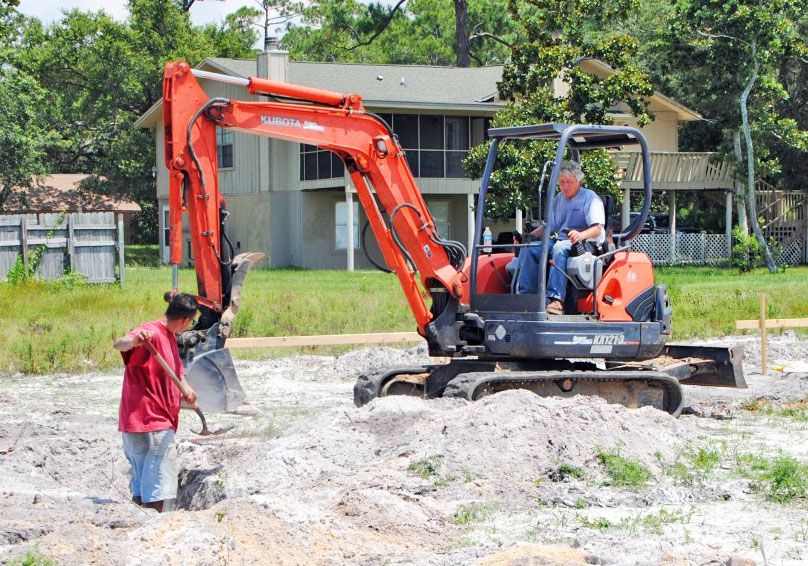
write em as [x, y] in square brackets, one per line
[612, 342]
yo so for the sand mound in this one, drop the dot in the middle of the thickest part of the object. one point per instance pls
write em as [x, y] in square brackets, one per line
[506, 439]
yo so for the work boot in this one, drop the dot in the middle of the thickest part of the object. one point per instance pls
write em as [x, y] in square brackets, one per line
[555, 307]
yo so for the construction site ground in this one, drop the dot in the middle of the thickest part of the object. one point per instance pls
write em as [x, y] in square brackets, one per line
[511, 479]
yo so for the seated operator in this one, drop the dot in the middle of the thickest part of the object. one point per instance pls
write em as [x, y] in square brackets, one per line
[577, 211]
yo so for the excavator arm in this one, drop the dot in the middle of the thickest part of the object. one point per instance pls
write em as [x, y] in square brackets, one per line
[396, 211]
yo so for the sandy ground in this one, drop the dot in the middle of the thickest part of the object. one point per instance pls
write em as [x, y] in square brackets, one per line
[315, 480]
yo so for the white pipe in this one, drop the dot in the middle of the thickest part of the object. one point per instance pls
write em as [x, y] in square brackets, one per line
[349, 221]
[220, 77]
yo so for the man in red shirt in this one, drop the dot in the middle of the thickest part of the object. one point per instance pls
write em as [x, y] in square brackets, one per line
[150, 403]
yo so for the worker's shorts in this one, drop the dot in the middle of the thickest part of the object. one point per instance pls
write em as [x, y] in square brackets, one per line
[154, 464]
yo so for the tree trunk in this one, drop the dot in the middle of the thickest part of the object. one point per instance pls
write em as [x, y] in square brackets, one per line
[750, 165]
[740, 192]
[462, 32]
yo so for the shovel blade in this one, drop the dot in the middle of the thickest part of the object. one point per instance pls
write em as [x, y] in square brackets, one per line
[213, 377]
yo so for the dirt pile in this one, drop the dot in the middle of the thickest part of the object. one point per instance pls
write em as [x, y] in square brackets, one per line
[509, 439]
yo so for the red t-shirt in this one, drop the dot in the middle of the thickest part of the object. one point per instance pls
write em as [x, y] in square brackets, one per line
[150, 400]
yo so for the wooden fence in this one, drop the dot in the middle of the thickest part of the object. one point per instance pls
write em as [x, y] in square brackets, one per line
[90, 243]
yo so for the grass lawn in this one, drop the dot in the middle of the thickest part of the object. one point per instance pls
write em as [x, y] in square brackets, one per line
[70, 327]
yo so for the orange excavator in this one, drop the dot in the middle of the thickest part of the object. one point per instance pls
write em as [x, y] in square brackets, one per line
[612, 340]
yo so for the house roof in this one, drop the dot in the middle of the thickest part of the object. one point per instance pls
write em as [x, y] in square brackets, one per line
[404, 86]
[384, 84]
[63, 193]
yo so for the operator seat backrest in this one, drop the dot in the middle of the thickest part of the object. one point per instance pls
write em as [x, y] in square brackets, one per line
[608, 206]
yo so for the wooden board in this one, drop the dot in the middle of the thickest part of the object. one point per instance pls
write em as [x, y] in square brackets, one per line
[323, 340]
[771, 323]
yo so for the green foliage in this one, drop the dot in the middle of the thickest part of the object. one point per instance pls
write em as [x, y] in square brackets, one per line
[25, 132]
[19, 271]
[565, 469]
[597, 523]
[788, 479]
[650, 522]
[730, 43]
[747, 253]
[426, 467]
[622, 471]
[419, 32]
[554, 39]
[782, 478]
[473, 513]
[694, 464]
[147, 255]
[88, 78]
[32, 557]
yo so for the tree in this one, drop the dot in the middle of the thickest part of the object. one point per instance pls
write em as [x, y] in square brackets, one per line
[100, 75]
[412, 32]
[24, 136]
[743, 45]
[554, 38]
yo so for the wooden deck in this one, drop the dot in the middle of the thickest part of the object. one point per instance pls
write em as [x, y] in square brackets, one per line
[676, 171]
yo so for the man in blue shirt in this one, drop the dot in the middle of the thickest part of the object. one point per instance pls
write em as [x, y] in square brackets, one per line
[577, 211]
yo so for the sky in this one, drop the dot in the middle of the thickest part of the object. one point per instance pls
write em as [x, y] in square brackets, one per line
[202, 12]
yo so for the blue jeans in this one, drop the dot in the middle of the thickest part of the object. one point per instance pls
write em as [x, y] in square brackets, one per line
[528, 280]
[154, 464]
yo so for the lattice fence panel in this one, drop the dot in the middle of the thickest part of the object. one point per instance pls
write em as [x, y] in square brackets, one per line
[691, 249]
[794, 252]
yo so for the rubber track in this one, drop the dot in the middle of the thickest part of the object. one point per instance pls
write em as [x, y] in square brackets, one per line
[470, 385]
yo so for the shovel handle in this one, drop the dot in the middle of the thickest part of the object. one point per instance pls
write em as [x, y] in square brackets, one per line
[184, 389]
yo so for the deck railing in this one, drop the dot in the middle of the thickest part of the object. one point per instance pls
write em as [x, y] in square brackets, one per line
[676, 171]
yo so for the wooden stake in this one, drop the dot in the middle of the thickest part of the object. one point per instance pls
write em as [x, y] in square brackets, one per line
[763, 365]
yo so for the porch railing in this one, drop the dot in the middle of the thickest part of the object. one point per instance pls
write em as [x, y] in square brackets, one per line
[676, 170]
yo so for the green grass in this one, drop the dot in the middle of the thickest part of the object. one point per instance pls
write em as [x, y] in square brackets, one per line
[142, 255]
[32, 558]
[708, 300]
[695, 463]
[53, 327]
[426, 467]
[783, 479]
[796, 410]
[69, 326]
[473, 513]
[650, 523]
[622, 471]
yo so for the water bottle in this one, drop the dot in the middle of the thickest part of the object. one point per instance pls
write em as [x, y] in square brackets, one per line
[488, 239]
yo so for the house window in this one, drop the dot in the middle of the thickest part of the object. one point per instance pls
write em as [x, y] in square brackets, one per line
[440, 214]
[457, 144]
[341, 225]
[318, 163]
[434, 145]
[224, 148]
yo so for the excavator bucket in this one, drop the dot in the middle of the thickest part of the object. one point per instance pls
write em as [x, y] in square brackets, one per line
[213, 377]
[208, 364]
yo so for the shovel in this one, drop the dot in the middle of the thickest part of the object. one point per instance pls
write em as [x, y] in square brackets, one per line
[186, 392]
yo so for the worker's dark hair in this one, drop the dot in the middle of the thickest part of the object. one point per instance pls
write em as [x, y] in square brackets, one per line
[181, 305]
[517, 235]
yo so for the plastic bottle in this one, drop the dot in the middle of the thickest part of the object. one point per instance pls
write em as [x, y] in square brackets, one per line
[488, 239]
